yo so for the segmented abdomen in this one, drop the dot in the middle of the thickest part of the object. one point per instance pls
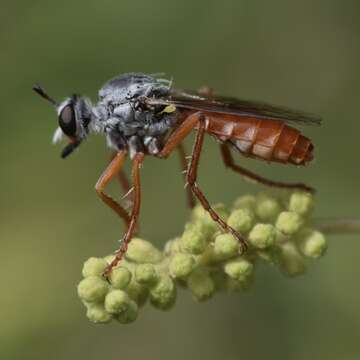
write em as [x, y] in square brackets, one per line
[269, 140]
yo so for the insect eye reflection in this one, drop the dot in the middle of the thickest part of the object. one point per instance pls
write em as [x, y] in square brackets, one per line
[67, 120]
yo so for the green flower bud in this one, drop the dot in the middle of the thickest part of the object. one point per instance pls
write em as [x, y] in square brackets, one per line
[146, 274]
[97, 314]
[239, 269]
[163, 294]
[203, 259]
[241, 220]
[313, 244]
[194, 239]
[198, 213]
[289, 222]
[201, 215]
[109, 258]
[208, 257]
[94, 267]
[226, 246]
[262, 236]
[92, 289]
[280, 237]
[141, 251]
[173, 246]
[117, 301]
[301, 203]
[130, 315]
[270, 255]
[137, 292]
[234, 285]
[245, 202]
[291, 261]
[120, 277]
[267, 207]
[219, 279]
[201, 285]
[181, 265]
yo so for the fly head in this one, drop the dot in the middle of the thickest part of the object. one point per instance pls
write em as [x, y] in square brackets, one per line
[74, 118]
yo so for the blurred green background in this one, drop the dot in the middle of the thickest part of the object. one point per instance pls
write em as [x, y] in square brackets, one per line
[303, 54]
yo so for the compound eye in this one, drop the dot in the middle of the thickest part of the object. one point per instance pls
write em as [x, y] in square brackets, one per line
[67, 120]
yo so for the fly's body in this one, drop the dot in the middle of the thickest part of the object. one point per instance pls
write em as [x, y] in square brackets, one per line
[121, 116]
[126, 121]
[268, 140]
[142, 115]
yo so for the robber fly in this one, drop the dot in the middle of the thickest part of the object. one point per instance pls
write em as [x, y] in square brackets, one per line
[143, 115]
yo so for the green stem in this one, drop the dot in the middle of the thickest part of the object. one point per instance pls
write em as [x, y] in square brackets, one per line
[338, 225]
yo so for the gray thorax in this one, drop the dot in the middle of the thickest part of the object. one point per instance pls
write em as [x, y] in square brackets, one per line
[127, 123]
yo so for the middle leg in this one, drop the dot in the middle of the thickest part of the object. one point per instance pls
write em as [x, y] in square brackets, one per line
[184, 165]
[192, 177]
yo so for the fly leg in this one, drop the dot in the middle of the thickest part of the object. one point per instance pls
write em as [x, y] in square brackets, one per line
[112, 170]
[176, 137]
[192, 177]
[137, 161]
[175, 141]
[229, 162]
[184, 166]
[124, 182]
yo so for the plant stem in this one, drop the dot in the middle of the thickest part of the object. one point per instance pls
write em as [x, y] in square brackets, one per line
[338, 225]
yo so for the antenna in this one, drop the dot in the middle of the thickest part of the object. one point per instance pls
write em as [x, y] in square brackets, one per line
[39, 90]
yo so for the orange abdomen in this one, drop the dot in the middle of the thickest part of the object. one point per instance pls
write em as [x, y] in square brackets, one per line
[270, 140]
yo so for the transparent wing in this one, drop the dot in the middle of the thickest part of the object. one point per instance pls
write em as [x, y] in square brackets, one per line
[228, 105]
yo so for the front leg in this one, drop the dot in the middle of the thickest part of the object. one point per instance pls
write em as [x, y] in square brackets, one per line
[137, 161]
[192, 177]
[124, 183]
[112, 170]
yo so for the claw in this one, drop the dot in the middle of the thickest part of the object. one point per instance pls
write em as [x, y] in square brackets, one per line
[243, 246]
[106, 273]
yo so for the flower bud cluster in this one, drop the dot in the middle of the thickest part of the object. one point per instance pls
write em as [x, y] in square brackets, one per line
[204, 259]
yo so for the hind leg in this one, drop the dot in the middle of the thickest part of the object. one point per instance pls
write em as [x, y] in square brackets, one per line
[229, 162]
